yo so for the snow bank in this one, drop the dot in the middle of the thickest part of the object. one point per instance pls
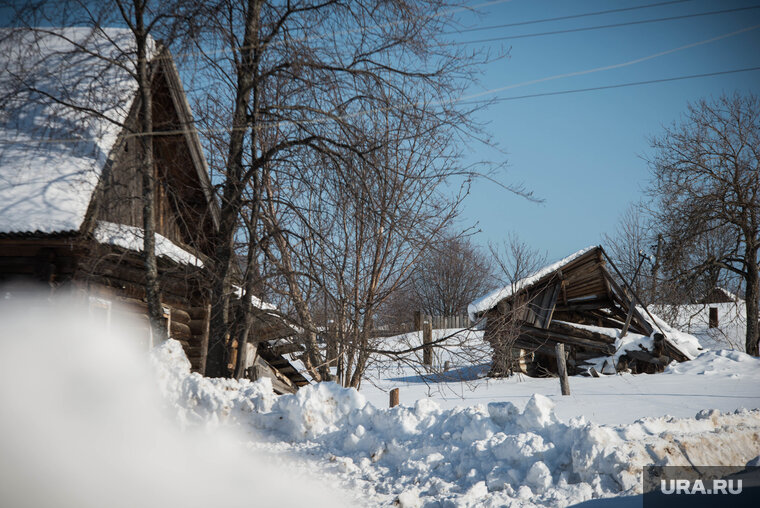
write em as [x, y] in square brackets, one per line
[717, 363]
[480, 455]
[490, 300]
[84, 426]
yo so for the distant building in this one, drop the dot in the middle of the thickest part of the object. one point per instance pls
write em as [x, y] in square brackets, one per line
[578, 303]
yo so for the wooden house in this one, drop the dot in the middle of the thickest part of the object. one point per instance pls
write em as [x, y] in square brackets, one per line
[70, 187]
[576, 302]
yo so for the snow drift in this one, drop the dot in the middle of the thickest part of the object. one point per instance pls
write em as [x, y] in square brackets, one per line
[495, 454]
[83, 425]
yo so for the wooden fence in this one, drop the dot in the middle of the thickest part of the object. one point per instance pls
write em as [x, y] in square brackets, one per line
[437, 322]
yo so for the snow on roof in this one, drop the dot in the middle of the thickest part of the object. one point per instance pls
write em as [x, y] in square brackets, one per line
[686, 343]
[131, 238]
[490, 300]
[255, 301]
[51, 155]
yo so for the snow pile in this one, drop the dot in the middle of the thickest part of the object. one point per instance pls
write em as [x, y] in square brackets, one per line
[84, 426]
[717, 363]
[490, 300]
[131, 238]
[477, 455]
[687, 343]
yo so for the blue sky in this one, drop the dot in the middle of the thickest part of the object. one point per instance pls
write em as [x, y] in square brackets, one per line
[581, 152]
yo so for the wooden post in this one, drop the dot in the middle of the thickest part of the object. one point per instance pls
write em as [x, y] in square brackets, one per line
[632, 305]
[562, 369]
[418, 320]
[427, 339]
[713, 317]
[394, 397]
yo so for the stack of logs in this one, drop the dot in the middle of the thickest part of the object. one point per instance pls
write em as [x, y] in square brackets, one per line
[191, 330]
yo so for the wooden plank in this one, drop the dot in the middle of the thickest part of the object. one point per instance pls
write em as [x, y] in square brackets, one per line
[639, 319]
[284, 349]
[549, 305]
[584, 305]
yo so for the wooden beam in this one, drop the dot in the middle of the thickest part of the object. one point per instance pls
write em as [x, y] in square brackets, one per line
[582, 333]
[541, 336]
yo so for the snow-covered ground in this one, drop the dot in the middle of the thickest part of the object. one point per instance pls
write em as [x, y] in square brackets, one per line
[721, 379]
[93, 425]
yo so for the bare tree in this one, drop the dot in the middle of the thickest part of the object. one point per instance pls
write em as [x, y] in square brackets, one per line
[295, 86]
[453, 273]
[633, 248]
[706, 184]
[515, 260]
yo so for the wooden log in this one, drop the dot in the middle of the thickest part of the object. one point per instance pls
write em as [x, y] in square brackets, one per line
[178, 330]
[394, 398]
[562, 369]
[180, 316]
[543, 336]
[581, 333]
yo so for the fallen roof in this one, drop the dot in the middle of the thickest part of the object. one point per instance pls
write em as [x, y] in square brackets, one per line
[489, 301]
[560, 303]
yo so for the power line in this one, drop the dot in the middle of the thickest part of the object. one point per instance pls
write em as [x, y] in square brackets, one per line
[614, 66]
[617, 85]
[562, 18]
[464, 100]
[598, 27]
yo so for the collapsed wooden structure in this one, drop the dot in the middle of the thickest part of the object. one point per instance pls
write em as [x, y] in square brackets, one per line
[575, 302]
[71, 213]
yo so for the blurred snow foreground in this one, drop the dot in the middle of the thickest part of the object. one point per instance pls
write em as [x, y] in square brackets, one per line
[88, 422]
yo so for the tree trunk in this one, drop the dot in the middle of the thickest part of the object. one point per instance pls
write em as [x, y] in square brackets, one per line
[145, 125]
[232, 199]
[752, 294]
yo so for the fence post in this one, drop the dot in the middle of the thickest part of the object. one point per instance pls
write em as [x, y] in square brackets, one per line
[418, 320]
[427, 339]
[562, 368]
[394, 397]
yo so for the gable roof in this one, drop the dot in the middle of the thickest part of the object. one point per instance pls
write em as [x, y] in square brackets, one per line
[52, 155]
